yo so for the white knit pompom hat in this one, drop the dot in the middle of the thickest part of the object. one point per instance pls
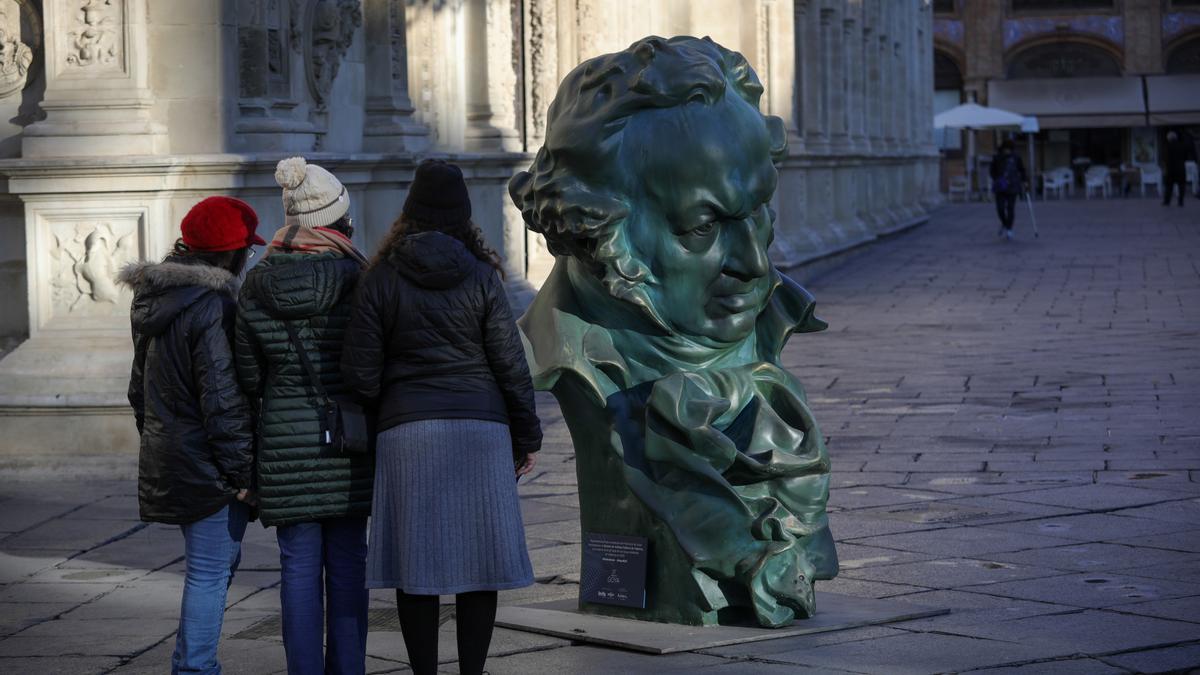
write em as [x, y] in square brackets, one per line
[312, 197]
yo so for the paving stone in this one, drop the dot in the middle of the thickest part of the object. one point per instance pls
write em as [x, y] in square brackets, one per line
[1105, 558]
[868, 496]
[102, 637]
[1180, 609]
[58, 665]
[1095, 527]
[961, 541]
[57, 593]
[1056, 667]
[1187, 540]
[846, 479]
[1166, 660]
[17, 616]
[950, 573]
[68, 534]
[535, 512]
[915, 653]
[1187, 511]
[967, 607]
[18, 566]
[1091, 632]
[764, 649]
[1092, 589]
[1094, 497]
[1156, 480]
[855, 556]
[981, 483]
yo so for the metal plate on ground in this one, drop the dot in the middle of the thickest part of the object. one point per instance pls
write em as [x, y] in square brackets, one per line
[834, 612]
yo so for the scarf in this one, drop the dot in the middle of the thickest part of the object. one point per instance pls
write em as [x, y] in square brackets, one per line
[315, 240]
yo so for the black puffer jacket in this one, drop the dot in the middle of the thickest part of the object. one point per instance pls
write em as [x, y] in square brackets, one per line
[432, 336]
[197, 435]
[299, 479]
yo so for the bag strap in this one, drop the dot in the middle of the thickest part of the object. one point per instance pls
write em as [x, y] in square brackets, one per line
[313, 377]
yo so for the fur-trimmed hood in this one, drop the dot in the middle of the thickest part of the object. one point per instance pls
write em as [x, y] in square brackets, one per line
[144, 275]
[162, 290]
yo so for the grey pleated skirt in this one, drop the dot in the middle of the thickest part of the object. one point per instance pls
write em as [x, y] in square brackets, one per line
[446, 517]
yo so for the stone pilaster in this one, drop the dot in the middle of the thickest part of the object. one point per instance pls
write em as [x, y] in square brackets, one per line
[856, 77]
[813, 121]
[491, 82]
[97, 100]
[1143, 37]
[835, 74]
[389, 125]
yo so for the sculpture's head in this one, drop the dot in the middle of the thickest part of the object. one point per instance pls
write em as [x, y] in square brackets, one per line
[656, 174]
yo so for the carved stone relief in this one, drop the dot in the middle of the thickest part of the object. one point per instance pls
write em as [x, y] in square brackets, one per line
[16, 56]
[331, 25]
[85, 258]
[96, 36]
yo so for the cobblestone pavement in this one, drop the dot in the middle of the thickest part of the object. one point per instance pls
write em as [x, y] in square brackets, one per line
[1014, 436]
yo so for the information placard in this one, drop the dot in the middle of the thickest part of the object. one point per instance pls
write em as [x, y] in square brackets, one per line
[614, 570]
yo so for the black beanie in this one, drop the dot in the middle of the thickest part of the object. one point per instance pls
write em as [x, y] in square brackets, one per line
[438, 194]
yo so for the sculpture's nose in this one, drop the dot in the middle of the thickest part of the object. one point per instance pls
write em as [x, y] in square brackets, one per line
[747, 256]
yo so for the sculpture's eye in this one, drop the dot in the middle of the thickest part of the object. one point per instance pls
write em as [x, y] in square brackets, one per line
[704, 229]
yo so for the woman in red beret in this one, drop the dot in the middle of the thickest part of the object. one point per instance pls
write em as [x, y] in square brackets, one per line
[197, 435]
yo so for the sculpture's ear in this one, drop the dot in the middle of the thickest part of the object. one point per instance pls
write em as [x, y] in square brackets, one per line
[778, 135]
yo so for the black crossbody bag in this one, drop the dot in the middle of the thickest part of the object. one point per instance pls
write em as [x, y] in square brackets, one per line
[345, 425]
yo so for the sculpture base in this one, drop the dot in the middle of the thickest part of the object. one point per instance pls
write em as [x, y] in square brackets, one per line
[562, 619]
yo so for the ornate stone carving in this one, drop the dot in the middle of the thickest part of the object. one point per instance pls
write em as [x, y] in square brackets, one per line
[84, 264]
[95, 40]
[15, 56]
[331, 25]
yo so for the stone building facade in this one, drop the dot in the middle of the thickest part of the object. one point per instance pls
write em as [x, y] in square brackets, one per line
[1106, 78]
[119, 115]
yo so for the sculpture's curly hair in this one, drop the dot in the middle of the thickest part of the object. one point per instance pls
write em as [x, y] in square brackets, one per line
[563, 195]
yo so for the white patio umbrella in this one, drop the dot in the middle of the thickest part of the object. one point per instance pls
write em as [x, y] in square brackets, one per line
[972, 116]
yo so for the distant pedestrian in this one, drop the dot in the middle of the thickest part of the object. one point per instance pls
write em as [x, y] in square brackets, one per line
[433, 340]
[197, 433]
[1008, 183]
[1176, 156]
[292, 315]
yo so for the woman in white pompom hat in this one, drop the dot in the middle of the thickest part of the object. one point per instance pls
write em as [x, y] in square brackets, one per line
[318, 499]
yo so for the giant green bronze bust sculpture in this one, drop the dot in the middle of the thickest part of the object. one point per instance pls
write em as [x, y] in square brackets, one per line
[660, 327]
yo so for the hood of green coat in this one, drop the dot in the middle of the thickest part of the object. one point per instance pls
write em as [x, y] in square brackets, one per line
[299, 285]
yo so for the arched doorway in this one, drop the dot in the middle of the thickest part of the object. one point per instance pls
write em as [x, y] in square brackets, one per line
[1183, 57]
[947, 93]
[1063, 58]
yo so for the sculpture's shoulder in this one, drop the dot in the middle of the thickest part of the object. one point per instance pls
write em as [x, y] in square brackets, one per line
[560, 342]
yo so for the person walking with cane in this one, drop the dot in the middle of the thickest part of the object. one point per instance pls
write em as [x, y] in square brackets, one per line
[1008, 182]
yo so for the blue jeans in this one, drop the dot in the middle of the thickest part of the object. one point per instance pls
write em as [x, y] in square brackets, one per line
[330, 553]
[212, 550]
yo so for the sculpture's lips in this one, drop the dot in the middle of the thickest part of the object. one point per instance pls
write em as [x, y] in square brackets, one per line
[740, 301]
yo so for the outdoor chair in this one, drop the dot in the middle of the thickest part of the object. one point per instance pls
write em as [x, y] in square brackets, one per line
[1096, 178]
[1151, 175]
[1055, 180]
[958, 186]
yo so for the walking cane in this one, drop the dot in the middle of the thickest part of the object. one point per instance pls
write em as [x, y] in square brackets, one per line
[1032, 218]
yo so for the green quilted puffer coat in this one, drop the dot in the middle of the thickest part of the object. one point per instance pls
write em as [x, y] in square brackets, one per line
[299, 479]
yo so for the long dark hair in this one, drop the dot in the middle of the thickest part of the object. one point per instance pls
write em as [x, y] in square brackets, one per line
[465, 231]
[231, 261]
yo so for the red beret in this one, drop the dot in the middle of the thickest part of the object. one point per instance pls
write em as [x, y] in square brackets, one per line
[220, 224]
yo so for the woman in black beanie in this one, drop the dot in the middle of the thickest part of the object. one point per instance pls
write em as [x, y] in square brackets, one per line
[433, 346]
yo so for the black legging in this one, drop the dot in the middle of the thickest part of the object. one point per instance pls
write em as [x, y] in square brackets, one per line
[474, 616]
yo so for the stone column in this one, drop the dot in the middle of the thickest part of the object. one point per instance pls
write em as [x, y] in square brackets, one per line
[97, 99]
[812, 123]
[835, 74]
[784, 84]
[856, 80]
[489, 78]
[389, 125]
